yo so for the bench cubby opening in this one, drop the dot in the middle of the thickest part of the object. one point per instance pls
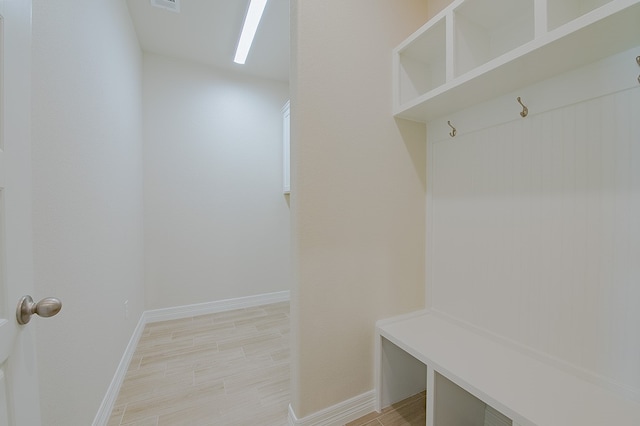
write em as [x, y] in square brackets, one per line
[455, 406]
[402, 374]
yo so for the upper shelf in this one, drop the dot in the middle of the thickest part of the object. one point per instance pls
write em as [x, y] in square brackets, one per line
[476, 50]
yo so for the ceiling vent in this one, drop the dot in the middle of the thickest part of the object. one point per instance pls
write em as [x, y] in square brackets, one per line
[172, 5]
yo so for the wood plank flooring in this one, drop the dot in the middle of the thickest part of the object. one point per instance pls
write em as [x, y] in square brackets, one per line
[228, 368]
[409, 412]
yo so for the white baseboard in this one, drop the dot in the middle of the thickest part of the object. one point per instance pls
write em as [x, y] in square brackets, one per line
[217, 306]
[104, 412]
[339, 414]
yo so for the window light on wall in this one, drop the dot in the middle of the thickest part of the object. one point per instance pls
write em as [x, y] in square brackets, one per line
[251, 21]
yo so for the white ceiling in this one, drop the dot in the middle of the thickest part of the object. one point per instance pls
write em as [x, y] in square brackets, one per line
[207, 31]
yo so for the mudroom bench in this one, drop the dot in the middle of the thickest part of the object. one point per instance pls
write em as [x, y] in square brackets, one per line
[476, 379]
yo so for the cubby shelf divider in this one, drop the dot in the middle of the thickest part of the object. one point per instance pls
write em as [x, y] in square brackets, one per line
[476, 50]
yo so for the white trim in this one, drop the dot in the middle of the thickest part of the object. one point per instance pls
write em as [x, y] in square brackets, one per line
[104, 412]
[401, 317]
[377, 344]
[614, 74]
[216, 306]
[339, 414]
[559, 363]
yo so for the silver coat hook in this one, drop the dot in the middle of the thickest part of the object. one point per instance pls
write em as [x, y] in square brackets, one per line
[525, 110]
[453, 131]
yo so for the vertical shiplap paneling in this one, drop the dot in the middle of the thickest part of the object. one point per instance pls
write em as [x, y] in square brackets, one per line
[552, 226]
[479, 211]
[581, 227]
[536, 233]
[452, 188]
[534, 292]
[502, 276]
[626, 276]
[633, 284]
[606, 285]
[591, 329]
[565, 336]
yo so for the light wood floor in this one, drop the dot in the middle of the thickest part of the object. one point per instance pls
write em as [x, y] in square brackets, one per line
[229, 368]
[409, 412]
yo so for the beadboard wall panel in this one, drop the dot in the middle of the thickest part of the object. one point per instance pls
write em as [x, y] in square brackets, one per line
[534, 233]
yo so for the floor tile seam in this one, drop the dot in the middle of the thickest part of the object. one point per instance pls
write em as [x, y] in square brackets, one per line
[121, 414]
[141, 420]
[194, 334]
[235, 373]
[172, 355]
[144, 390]
[228, 345]
[264, 404]
[259, 385]
[243, 335]
[155, 387]
[164, 335]
[169, 348]
[260, 322]
[405, 402]
[168, 405]
[156, 363]
[229, 381]
[274, 365]
[232, 391]
[163, 394]
[167, 352]
[158, 332]
[151, 372]
[137, 418]
[265, 346]
[158, 394]
[136, 364]
[276, 330]
[163, 412]
[177, 337]
[248, 345]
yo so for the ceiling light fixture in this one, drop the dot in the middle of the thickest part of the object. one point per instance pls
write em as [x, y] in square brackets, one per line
[251, 21]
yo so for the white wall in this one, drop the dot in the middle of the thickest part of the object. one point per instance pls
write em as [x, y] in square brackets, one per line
[216, 220]
[87, 177]
[534, 230]
[358, 192]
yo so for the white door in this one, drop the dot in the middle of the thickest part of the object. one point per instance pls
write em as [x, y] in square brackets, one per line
[19, 404]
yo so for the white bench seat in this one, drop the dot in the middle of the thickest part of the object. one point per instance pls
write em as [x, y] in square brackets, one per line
[524, 388]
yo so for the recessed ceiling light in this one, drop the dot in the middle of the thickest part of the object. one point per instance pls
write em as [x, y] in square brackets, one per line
[251, 21]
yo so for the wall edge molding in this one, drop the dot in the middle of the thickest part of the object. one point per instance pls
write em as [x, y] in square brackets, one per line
[338, 414]
[156, 315]
[109, 400]
[178, 312]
